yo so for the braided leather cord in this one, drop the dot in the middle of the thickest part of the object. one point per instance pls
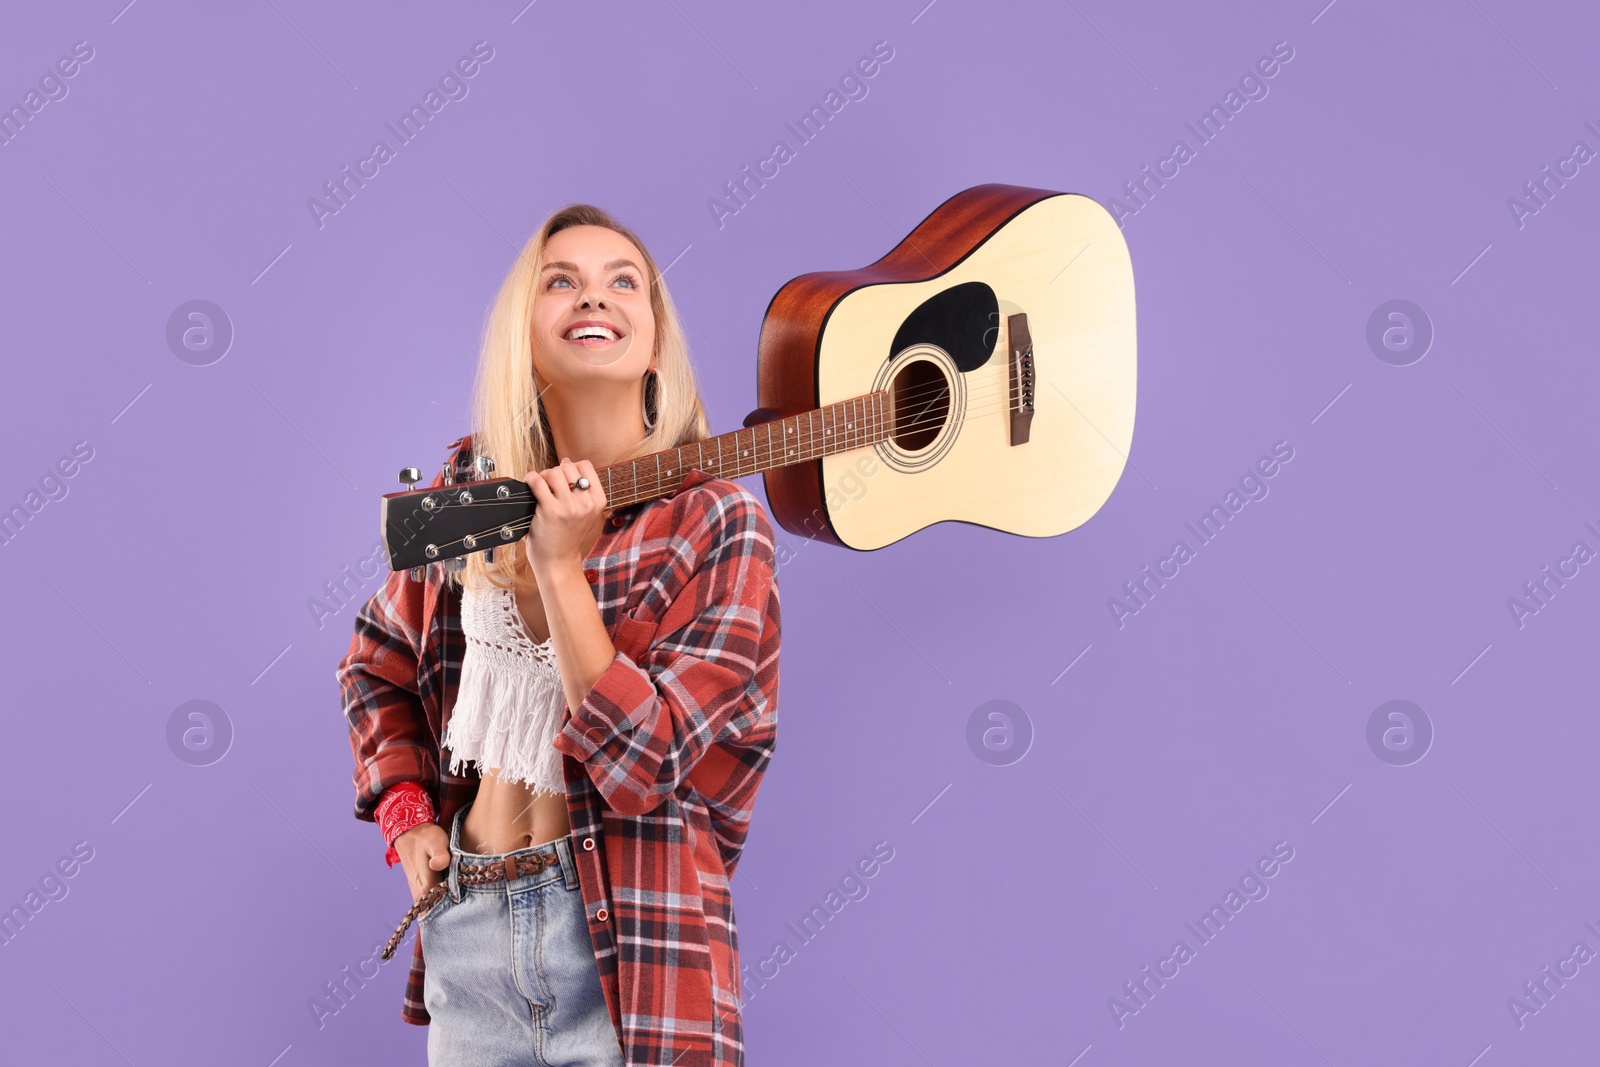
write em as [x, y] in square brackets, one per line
[470, 874]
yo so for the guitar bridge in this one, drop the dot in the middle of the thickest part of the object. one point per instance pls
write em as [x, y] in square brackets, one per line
[1021, 371]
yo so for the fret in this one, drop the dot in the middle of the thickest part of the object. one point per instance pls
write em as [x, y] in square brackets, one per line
[856, 422]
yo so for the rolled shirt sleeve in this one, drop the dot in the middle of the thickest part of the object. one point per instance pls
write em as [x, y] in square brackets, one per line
[644, 724]
[381, 695]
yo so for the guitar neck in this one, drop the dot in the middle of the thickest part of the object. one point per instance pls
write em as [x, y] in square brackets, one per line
[842, 427]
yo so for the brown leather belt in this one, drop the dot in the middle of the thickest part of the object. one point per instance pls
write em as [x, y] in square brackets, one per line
[508, 869]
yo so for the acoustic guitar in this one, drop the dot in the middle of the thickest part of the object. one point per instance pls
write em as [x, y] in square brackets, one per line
[983, 371]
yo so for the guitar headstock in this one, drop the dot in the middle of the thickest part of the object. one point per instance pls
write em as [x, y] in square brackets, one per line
[446, 522]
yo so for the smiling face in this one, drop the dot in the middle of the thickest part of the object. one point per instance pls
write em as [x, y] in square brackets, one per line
[591, 310]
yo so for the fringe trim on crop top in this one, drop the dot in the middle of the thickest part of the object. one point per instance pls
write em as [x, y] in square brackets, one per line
[509, 700]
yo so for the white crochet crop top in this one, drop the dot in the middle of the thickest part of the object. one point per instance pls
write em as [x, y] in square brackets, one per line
[509, 701]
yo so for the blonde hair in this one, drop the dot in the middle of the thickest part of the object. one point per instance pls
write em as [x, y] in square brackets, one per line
[508, 420]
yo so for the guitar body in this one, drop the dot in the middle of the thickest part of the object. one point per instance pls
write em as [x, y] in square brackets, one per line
[941, 323]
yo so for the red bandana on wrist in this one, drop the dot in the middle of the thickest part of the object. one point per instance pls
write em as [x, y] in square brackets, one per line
[403, 806]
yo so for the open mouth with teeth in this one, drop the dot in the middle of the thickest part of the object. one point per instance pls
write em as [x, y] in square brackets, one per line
[592, 335]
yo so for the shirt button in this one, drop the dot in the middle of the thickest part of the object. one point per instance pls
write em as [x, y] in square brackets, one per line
[588, 844]
[617, 521]
[600, 914]
[591, 574]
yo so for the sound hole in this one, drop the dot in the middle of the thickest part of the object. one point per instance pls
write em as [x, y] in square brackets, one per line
[921, 397]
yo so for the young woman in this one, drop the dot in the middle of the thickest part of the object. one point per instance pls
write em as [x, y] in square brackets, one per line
[563, 745]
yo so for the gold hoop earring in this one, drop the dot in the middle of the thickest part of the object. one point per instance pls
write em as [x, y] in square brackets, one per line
[652, 414]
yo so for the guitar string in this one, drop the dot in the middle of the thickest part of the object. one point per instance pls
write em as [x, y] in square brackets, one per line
[820, 445]
[975, 398]
[974, 411]
[977, 407]
[659, 486]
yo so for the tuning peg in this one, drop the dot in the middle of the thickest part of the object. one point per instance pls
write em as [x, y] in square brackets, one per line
[418, 574]
[488, 555]
[449, 472]
[484, 466]
[456, 564]
[409, 477]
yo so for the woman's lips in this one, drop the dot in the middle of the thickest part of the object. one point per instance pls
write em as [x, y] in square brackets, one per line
[596, 334]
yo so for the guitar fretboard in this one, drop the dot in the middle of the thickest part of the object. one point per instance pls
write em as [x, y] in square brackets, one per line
[849, 424]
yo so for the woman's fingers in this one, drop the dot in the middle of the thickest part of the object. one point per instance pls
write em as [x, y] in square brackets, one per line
[540, 486]
[553, 487]
[586, 470]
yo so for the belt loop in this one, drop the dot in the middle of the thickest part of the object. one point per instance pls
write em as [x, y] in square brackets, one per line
[510, 864]
[568, 866]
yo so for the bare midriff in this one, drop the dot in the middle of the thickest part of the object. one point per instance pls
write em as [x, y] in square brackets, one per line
[506, 816]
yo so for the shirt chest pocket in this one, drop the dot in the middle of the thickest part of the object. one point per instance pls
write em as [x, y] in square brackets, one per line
[634, 632]
[642, 615]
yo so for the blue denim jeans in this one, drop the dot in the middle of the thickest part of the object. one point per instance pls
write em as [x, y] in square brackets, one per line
[511, 977]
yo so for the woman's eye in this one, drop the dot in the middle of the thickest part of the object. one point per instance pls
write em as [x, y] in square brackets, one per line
[633, 283]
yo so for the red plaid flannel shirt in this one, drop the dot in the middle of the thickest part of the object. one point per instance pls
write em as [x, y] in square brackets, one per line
[663, 757]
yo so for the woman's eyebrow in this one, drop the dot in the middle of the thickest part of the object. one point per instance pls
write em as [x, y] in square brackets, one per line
[562, 264]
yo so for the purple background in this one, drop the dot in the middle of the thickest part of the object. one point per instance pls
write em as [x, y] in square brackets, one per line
[1229, 714]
